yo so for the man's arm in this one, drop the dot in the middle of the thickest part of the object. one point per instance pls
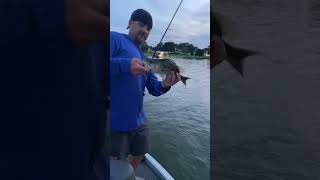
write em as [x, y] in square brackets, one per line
[87, 21]
[133, 66]
[157, 88]
[118, 66]
[154, 85]
[83, 21]
[128, 66]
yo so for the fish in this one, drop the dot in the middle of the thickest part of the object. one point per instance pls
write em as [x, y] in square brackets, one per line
[223, 50]
[163, 66]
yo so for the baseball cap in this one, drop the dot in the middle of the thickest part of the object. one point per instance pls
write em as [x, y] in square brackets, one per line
[143, 16]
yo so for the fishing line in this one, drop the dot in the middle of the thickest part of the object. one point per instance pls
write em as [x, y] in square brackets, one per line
[166, 30]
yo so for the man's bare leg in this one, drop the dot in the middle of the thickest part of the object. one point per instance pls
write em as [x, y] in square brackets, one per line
[135, 160]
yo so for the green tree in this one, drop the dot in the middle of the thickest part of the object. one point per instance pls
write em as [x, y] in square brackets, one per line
[168, 46]
[144, 47]
[207, 50]
[199, 52]
[186, 48]
[158, 47]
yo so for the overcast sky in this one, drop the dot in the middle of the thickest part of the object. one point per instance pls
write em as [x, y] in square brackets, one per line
[191, 23]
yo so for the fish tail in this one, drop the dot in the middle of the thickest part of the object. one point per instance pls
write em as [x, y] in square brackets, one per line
[236, 56]
[184, 79]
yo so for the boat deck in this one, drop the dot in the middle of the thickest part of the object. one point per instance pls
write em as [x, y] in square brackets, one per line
[149, 169]
[144, 171]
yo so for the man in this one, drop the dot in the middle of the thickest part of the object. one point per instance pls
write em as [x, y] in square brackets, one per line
[52, 95]
[129, 77]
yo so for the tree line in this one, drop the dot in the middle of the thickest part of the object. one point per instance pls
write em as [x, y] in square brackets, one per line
[182, 48]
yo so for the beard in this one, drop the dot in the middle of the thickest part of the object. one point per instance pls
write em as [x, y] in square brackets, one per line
[141, 37]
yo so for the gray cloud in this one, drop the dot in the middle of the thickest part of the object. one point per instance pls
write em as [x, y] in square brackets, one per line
[191, 24]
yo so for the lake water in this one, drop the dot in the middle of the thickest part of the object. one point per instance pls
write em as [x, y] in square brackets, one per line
[180, 124]
[266, 125]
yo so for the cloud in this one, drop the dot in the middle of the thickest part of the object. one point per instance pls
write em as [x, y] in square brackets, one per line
[191, 24]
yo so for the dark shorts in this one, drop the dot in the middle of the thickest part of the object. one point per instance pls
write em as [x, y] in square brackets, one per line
[135, 142]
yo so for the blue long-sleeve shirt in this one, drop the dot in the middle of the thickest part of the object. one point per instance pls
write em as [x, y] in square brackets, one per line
[52, 95]
[126, 90]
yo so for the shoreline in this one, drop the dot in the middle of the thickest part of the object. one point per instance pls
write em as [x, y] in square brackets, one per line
[182, 56]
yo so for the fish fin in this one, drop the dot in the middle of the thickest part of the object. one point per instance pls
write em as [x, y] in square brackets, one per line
[184, 79]
[236, 56]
